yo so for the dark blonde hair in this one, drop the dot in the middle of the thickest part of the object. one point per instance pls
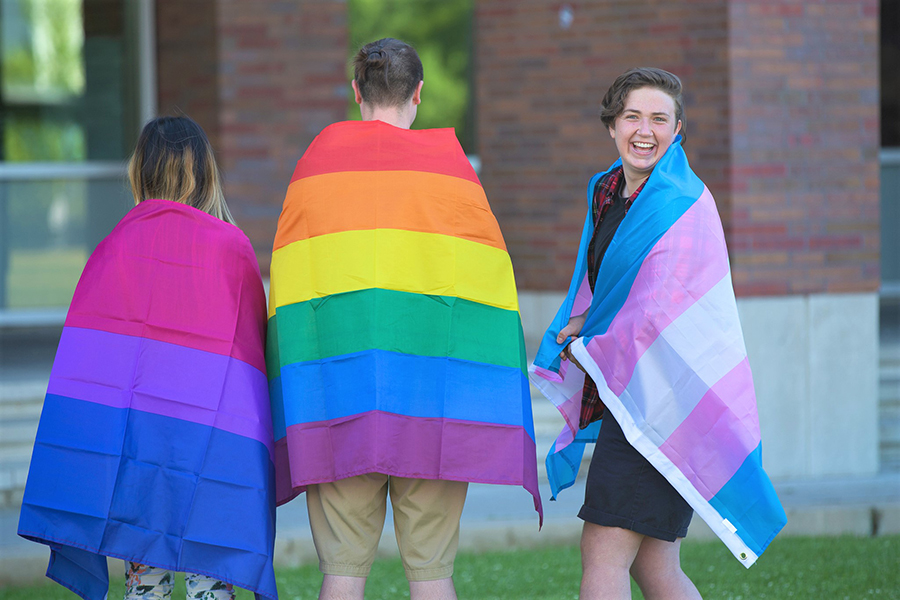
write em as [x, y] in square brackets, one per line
[613, 102]
[387, 72]
[174, 161]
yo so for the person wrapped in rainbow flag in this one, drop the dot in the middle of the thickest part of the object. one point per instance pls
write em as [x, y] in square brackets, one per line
[646, 357]
[395, 354]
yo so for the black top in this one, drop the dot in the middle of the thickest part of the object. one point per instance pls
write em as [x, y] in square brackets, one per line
[605, 231]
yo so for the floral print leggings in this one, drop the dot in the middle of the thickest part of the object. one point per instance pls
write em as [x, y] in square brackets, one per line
[143, 582]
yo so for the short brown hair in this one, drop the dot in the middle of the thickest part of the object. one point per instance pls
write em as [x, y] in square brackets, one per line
[174, 161]
[387, 72]
[642, 77]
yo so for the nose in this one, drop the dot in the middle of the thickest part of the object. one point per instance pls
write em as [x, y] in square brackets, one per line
[644, 128]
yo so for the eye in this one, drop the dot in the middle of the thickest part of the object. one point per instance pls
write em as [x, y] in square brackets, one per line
[630, 117]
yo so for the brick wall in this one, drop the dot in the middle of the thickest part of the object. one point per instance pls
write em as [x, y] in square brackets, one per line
[263, 78]
[539, 86]
[805, 127]
[187, 62]
[782, 121]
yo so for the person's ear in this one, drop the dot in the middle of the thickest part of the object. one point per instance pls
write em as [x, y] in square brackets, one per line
[612, 132]
[417, 95]
[356, 94]
[678, 127]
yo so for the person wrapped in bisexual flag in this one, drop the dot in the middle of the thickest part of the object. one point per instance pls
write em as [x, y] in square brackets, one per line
[155, 442]
[646, 357]
[396, 355]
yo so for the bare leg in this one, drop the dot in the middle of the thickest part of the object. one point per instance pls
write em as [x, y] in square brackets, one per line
[439, 589]
[606, 557]
[657, 571]
[340, 587]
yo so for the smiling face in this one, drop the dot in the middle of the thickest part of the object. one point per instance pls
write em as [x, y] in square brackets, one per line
[643, 132]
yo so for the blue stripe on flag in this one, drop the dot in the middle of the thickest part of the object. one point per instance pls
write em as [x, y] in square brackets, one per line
[152, 489]
[420, 386]
[562, 466]
[754, 507]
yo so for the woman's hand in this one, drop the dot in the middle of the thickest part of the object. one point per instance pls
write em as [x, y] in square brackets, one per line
[573, 328]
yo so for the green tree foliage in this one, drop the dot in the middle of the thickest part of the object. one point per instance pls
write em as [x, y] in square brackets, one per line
[441, 32]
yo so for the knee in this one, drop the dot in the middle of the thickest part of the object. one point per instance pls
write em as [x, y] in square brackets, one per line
[656, 578]
[608, 548]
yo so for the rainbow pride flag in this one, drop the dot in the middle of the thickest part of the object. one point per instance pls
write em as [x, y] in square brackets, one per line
[395, 344]
[663, 343]
[155, 441]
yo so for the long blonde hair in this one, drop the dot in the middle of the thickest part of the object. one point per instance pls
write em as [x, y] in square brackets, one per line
[174, 161]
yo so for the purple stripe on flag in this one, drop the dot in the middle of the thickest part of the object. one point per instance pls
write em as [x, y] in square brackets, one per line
[165, 379]
[427, 448]
[712, 443]
[661, 295]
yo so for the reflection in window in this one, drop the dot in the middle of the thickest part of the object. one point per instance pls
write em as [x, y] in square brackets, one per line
[69, 109]
[68, 86]
[42, 51]
[43, 81]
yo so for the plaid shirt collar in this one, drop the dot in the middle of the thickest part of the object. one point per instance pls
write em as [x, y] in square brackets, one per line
[605, 193]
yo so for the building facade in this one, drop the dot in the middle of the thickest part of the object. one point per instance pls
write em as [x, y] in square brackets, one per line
[783, 120]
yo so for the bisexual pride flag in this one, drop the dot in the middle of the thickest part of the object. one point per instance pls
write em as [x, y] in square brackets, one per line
[155, 441]
[663, 343]
[395, 344]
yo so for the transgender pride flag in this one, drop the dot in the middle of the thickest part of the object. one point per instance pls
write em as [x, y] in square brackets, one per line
[395, 344]
[663, 343]
[155, 441]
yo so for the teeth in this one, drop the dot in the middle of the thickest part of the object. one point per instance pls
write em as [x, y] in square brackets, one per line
[644, 145]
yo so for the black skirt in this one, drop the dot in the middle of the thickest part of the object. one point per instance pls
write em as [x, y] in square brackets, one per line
[624, 490]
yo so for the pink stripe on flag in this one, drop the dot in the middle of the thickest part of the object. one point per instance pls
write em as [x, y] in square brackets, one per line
[566, 391]
[426, 448]
[175, 274]
[719, 434]
[657, 296]
[583, 297]
[571, 413]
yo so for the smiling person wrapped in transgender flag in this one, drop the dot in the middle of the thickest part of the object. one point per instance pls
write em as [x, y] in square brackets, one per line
[651, 317]
[155, 441]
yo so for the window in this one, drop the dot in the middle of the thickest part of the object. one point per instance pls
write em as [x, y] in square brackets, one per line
[71, 102]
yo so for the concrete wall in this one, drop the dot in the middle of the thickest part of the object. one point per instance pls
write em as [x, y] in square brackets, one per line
[815, 368]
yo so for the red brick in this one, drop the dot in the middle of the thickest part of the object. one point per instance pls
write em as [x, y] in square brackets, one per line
[271, 81]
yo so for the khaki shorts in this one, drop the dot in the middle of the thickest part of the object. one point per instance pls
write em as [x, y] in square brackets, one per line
[347, 516]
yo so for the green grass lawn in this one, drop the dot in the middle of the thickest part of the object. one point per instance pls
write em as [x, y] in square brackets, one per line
[794, 568]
